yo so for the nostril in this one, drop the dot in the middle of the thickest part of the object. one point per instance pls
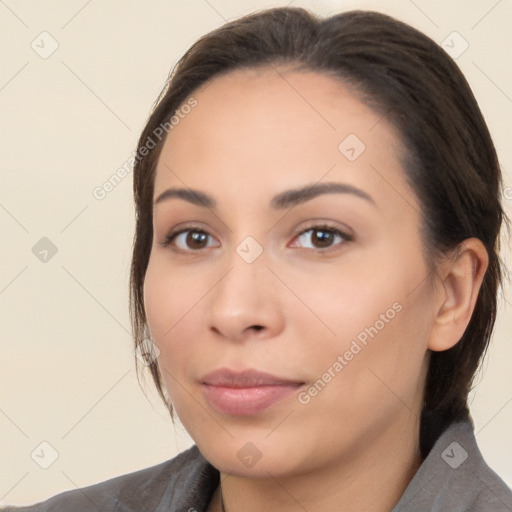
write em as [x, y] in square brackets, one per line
[257, 327]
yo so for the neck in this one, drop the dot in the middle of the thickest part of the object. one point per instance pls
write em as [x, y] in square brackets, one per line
[373, 479]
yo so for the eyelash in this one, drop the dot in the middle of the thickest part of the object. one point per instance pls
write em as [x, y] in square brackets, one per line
[317, 227]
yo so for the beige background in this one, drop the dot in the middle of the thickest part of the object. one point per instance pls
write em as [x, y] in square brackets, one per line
[71, 120]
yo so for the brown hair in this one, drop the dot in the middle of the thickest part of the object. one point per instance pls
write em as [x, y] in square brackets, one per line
[451, 162]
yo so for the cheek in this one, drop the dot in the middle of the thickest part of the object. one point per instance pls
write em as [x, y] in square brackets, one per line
[174, 302]
[380, 324]
[164, 309]
[167, 300]
[158, 299]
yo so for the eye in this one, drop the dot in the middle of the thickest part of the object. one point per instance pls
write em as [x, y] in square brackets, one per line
[322, 237]
[193, 239]
[189, 239]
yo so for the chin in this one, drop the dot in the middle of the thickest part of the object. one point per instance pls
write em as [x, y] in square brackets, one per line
[255, 459]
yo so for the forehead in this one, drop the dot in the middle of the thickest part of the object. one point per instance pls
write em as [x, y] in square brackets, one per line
[266, 124]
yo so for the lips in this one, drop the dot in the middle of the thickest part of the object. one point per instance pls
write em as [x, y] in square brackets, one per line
[245, 393]
[245, 379]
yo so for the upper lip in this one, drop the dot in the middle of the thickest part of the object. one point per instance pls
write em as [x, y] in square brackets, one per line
[244, 379]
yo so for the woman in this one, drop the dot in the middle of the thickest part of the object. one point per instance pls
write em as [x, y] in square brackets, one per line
[314, 273]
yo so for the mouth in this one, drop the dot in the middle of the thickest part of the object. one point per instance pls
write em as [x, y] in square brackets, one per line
[246, 393]
[245, 379]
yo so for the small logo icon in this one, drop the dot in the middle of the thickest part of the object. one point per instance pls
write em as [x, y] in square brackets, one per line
[249, 455]
[44, 45]
[44, 250]
[249, 249]
[147, 352]
[454, 45]
[44, 455]
[351, 147]
[454, 455]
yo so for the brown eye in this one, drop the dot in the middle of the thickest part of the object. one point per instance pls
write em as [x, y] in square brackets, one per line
[190, 240]
[322, 237]
[196, 239]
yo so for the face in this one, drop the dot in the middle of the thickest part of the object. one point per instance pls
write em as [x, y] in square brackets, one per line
[326, 289]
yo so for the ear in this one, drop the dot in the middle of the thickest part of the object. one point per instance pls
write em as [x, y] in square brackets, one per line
[460, 277]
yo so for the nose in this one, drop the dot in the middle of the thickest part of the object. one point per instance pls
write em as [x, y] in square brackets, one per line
[246, 302]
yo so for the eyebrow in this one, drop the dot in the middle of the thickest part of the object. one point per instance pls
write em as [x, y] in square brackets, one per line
[281, 201]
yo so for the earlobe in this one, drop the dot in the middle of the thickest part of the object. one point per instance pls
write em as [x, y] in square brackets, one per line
[461, 279]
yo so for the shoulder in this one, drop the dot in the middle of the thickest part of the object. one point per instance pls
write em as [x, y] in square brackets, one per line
[493, 493]
[455, 477]
[153, 488]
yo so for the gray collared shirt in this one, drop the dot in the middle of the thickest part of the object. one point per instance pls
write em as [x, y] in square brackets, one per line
[453, 478]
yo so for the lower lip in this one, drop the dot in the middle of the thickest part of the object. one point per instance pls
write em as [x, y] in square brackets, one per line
[246, 401]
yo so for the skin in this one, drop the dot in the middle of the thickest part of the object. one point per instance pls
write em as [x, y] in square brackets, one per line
[354, 446]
